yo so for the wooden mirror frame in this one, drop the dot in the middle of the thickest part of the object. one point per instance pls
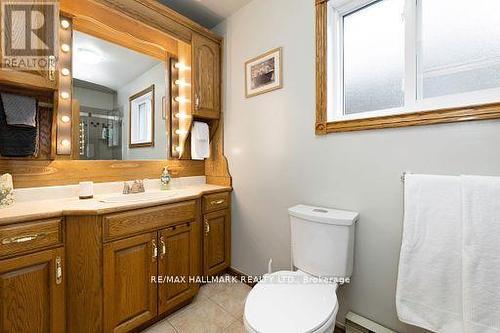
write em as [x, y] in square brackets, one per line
[438, 116]
[147, 26]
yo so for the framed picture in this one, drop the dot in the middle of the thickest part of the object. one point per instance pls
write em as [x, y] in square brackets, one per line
[264, 73]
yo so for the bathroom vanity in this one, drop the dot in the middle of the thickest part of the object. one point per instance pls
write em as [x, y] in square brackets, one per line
[96, 266]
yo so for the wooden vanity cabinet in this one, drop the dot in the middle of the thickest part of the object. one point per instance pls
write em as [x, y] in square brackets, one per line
[128, 269]
[130, 298]
[179, 259]
[32, 293]
[206, 77]
[216, 233]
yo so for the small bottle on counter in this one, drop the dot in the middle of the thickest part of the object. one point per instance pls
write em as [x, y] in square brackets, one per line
[165, 179]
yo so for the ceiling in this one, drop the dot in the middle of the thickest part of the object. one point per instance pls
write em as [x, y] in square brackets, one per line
[208, 13]
[107, 64]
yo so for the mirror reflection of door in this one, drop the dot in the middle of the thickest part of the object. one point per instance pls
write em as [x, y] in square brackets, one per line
[141, 115]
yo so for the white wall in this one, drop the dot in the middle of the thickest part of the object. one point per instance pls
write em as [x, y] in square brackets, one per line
[157, 76]
[276, 160]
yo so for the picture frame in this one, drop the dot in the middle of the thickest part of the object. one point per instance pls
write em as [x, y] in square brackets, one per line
[264, 73]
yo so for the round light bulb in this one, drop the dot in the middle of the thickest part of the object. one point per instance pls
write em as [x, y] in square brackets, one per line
[65, 48]
[65, 72]
[181, 83]
[65, 119]
[64, 24]
[64, 95]
[65, 142]
[181, 115]
[181, 99]
[180, 66]
[180, 132]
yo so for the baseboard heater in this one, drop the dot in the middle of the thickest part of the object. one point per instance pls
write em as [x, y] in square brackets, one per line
[356, 324]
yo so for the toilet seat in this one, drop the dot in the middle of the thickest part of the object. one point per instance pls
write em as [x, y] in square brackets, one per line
[289, 301]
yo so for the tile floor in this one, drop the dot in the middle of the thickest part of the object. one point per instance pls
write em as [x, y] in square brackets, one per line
[218, 307]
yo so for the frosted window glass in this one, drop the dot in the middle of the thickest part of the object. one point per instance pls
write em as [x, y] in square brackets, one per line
[460, 46]
[374, 57]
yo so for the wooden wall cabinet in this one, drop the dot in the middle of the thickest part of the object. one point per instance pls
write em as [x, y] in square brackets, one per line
[206, 77]
[32, 293]
[216, 233]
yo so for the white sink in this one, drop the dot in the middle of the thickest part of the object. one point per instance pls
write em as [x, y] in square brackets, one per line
[138, 197]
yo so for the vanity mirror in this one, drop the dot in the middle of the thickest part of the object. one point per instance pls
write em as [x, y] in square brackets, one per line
[120, 94]
[84, 130]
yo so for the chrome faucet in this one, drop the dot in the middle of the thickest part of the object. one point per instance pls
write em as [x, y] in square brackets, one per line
[137, 187]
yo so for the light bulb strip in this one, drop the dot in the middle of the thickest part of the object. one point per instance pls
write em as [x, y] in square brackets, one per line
[64, 109]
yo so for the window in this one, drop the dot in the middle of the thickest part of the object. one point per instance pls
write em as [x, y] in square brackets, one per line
[141, 117]
[407, 58]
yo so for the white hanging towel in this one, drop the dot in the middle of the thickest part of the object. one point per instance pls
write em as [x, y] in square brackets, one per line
[429, 288]
[200, 141]
[481, 254]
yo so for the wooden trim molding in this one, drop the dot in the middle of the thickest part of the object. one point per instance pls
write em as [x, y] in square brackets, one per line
[479, 112]
[321, 69]
[438, 116]
[68, 172]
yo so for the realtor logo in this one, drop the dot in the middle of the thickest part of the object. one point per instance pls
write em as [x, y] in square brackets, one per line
[29, 34]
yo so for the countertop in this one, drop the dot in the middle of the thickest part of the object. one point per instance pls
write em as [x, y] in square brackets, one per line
[25, 211]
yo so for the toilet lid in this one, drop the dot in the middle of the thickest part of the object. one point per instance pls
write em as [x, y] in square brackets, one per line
[290, 302]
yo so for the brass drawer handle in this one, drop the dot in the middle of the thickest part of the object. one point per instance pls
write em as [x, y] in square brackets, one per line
[59, 273]
[217, 202]
[22, 239]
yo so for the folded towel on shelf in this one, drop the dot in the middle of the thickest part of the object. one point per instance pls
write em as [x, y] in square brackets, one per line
[19, 110]
[200, 141]
[17, 141]
[429, 289]
[481, 254]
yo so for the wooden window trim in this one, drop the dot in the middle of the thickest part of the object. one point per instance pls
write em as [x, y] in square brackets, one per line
[437, 116]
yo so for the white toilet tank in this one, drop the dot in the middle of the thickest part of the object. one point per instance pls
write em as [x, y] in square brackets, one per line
[323, 240]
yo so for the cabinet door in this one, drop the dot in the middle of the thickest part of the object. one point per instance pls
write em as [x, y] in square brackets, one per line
[130, 297]
[206, 77]
[32, 293]
[216, 242]
[179, 259]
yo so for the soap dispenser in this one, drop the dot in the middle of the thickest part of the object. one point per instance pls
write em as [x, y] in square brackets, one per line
[165, 179]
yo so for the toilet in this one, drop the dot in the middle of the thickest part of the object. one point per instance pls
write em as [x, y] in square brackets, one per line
[305, 299]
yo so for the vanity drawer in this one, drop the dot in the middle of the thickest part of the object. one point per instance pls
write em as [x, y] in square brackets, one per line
[136, 221]
[24, 237]
[216, 201]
